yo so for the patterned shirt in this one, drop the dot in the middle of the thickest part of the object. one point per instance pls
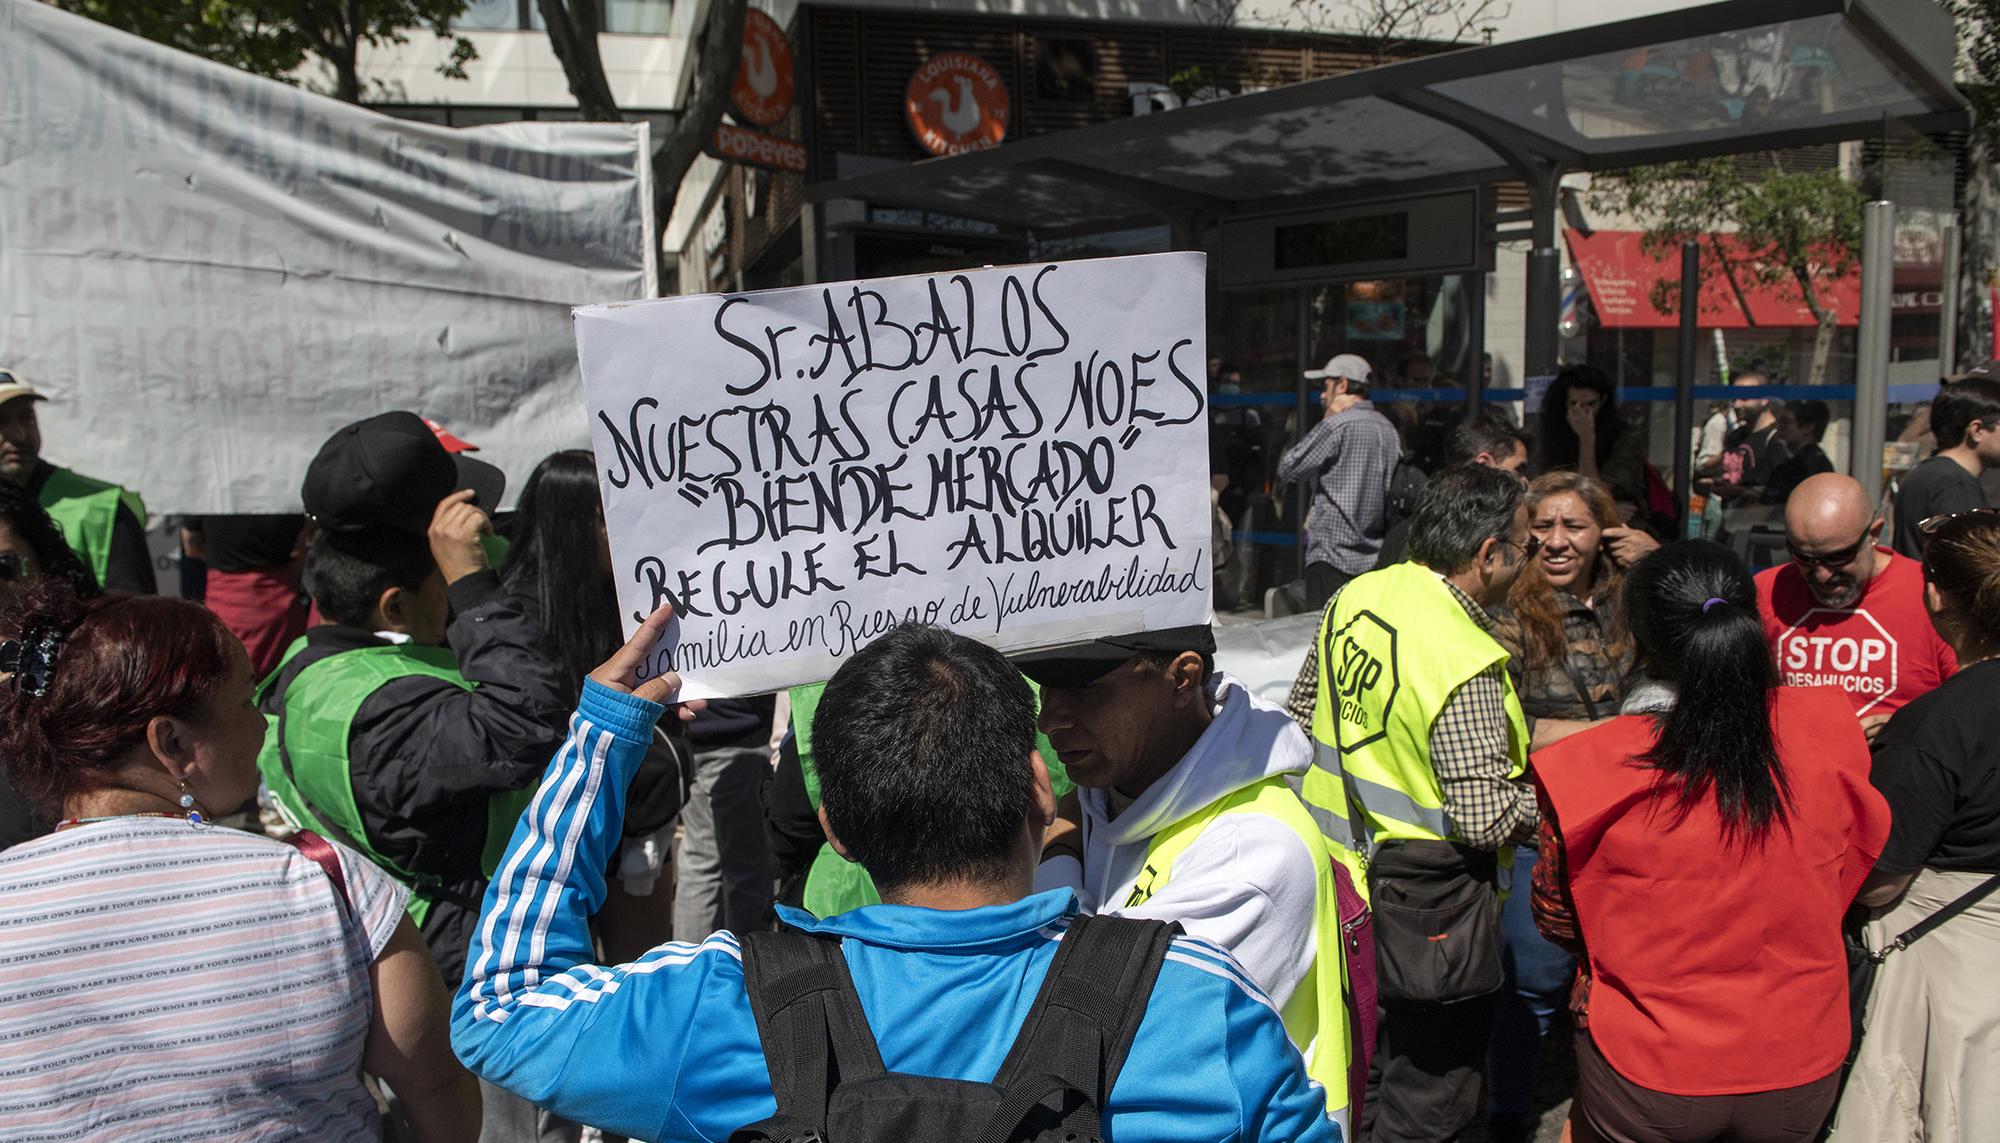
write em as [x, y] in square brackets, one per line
[1471, 747]
[1350, 458]
[163, 983]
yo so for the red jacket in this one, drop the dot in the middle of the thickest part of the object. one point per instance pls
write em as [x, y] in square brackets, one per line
[1717, 969]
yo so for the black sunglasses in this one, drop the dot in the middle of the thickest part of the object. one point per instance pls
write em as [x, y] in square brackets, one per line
[1839, 559]
[12, 567]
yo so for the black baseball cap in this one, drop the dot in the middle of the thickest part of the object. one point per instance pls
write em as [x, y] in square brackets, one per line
[388, 471]
[1081, 664]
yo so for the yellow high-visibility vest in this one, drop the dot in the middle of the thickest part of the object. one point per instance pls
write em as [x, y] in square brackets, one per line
[1315, 1016]
[1394, 646]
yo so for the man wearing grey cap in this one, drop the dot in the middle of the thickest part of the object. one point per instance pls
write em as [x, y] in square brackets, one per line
[1348, 459]
[104, 524]
[1182, 812]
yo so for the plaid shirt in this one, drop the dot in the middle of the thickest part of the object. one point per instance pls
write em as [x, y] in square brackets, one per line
[1470, 748]
[1349, 458]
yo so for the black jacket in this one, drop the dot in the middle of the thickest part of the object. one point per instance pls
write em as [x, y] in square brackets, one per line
[424, 755]
[129, 565]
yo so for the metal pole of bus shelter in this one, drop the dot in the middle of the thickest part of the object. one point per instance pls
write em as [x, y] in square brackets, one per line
[1948, 304]
[1871, 358]
[1684, 386]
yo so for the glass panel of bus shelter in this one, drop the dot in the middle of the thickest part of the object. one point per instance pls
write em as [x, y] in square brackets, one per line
[1643, 364]
[1253, 347]
[1920, 178]
[1415, 334]
[1807, 72]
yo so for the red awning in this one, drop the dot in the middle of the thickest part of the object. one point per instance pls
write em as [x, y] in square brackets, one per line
[1780, 304]
[1622, 279]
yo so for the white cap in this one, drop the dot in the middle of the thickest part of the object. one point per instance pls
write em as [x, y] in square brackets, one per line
[1351, 366]
[11, 386]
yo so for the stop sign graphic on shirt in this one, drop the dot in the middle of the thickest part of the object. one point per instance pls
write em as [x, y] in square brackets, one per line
[1834, 647]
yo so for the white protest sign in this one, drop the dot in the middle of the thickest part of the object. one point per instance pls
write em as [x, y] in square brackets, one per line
[208, 272]
[1019, 454]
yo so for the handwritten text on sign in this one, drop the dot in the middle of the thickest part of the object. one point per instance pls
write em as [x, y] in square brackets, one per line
[1016, 453]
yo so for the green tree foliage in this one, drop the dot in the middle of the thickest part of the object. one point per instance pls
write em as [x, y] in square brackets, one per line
[1795, 229]
[273, 38]
[1979, 64]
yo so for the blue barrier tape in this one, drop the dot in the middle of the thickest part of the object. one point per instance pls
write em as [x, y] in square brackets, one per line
[1898, 394]
[1381, 395]
[1238, 400]
[1279, 539]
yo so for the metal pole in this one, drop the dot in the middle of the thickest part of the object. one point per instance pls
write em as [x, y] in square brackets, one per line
[1684, 385]
[1544, 286]
[1297, 496]
[1475, 341]
[1948, 309]
[1871, 359]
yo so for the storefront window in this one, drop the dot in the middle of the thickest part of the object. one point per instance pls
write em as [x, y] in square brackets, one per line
[1253, 349]
[638, 17]
[490, 14]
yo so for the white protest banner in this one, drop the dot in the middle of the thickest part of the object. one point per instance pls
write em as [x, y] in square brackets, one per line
[1020, 454]
[208, 272]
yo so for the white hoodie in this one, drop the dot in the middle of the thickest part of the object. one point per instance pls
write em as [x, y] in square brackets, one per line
[1247, 882]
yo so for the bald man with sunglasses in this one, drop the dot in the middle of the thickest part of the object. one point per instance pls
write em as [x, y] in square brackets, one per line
[1846, 611]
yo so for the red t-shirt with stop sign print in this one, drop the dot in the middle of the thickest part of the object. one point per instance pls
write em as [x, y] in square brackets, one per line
[1883, 651]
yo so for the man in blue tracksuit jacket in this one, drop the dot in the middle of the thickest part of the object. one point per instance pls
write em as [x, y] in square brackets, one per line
[925, 748]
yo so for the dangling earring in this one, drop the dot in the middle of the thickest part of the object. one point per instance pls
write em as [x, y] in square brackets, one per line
[194, 817]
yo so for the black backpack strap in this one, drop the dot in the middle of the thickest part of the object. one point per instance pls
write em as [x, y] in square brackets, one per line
[1085, 1017]
[1924, 927]
[810, 1022]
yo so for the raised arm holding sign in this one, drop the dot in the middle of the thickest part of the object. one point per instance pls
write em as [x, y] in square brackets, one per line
[1017, 453]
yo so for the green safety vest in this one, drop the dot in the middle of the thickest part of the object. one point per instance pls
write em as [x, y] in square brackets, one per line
[1316, 1015]
[834, 884]
[87, 511]
[318, 792]
[1394, 646]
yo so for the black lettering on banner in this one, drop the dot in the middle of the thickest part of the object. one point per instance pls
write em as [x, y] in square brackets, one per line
[954, 426]
[1055, 322]
[652, 572]
[1013, 298]
[630, 459]
[764, 366]
[835, 336]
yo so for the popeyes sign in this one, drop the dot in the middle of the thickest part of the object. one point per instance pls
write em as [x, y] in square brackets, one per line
[762, 95]
[956, 103]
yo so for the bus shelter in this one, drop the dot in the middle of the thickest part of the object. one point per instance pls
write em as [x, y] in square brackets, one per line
[1380, 171]
[1393, 172]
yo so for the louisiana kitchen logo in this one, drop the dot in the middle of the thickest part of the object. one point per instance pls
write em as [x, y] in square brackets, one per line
[956, 103]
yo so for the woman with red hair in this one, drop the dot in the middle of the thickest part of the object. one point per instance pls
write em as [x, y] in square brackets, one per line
[162, 978]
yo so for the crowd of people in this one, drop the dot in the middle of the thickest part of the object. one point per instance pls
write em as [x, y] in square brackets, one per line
[389, 840]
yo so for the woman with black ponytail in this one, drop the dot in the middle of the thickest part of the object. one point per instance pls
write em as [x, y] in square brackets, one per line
[1697, 853]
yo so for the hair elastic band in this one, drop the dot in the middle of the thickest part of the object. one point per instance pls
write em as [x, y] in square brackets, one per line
[1712, 601]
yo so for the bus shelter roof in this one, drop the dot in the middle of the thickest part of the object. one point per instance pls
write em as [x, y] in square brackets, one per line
[1718, 79]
